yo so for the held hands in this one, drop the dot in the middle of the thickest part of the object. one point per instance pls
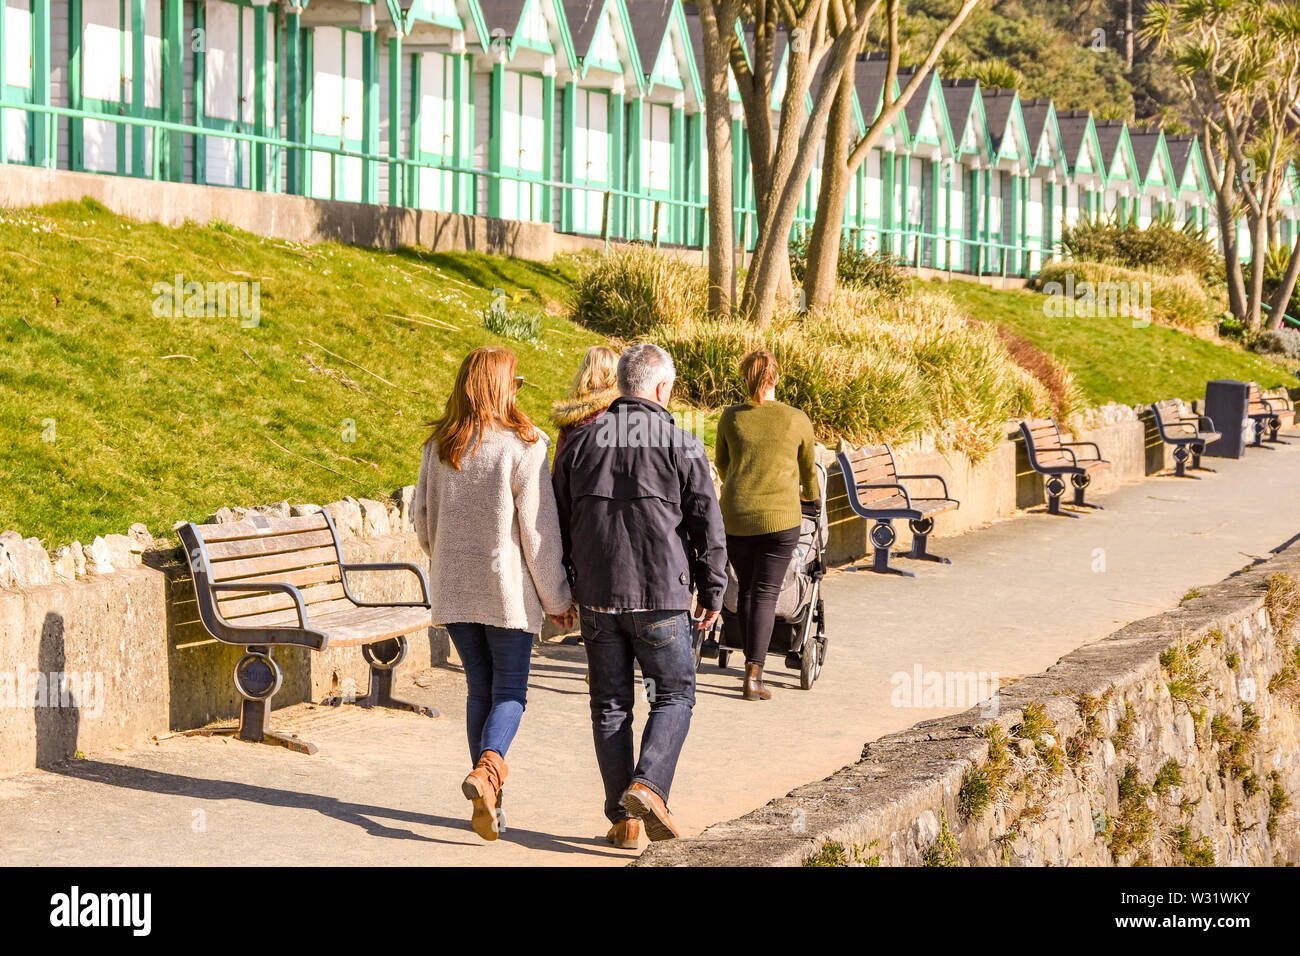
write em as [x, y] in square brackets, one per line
[566, 620]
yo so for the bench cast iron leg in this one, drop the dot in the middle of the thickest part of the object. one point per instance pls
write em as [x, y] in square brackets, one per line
[257, 678]
[1055, 489]
[1197, 451]
[1275, 425]
[1181, 454]
[921, 529]
[1080, 483]
[883, 537]
[1259, 425]
[383, 659]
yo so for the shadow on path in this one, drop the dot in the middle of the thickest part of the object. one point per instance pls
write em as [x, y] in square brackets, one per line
[357, 814]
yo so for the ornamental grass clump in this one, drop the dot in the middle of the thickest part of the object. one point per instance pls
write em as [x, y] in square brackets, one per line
[868, 368]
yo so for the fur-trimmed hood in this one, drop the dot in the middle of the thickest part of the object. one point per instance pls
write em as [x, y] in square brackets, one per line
[570, 411]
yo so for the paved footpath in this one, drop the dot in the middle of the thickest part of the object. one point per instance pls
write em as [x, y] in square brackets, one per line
[384, 787]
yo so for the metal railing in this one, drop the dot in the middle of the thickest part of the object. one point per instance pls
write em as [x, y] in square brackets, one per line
[619, 207]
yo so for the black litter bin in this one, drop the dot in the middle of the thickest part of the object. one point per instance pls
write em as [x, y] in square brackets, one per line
[1226, 401]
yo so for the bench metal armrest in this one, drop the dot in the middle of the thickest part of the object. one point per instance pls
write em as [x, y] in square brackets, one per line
[896, 486]
[1061, 449]
[1208, 420]
[1082, 444]
[387, 566]
[288, 589]
[939, 478]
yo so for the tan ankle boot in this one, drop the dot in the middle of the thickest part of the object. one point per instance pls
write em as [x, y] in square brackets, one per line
[483, 787]
[754, 688]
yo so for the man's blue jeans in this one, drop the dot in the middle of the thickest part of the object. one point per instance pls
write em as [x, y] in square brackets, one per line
[496, 662]
[660, 641]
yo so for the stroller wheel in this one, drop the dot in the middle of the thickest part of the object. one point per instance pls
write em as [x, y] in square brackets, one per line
[810, 667]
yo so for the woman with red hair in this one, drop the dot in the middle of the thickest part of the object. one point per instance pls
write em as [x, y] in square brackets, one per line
[485, 514]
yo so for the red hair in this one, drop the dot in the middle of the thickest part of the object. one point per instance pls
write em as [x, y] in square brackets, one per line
[484, 397]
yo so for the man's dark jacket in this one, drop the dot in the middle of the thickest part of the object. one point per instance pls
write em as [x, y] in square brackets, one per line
[638, 516]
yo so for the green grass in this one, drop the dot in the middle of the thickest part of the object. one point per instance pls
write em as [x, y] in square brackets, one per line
[1111, 360]
[139, 436]
[111, 414]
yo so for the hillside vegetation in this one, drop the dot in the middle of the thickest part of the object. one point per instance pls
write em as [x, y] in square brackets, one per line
[112, 414]
[116, 406]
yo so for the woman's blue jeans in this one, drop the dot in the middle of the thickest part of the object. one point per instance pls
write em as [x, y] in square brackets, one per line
[496, 661]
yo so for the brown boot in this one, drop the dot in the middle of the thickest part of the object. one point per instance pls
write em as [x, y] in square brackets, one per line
[754, 688]
[626, 834]
[483, 786]
[641, 801]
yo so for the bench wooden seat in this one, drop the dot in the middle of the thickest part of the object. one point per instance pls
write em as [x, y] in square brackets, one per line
[1055, 459]
[876, 493]
[1264, 413]
[264, 582]
[1183, 431]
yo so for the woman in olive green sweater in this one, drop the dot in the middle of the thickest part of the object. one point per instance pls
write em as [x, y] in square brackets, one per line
[764, 455]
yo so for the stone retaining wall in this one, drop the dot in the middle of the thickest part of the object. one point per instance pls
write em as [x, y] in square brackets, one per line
[141, 662]
[1175, 741]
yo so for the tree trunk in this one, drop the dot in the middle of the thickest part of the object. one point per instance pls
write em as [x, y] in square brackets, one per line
[1228, 238]
[1282, 295]
[1128, 33]
[822, 269]
[717, 122]
[1258, 252]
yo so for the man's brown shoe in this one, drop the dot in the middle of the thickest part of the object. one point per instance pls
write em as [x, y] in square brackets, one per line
[626, 834]
[483, 786]
[642, 802]
[754, 688]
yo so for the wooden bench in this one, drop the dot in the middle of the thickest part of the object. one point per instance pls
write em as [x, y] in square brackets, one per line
[876, 492]
[1183, 431]
[1264, 413]
[264, 582]
[1054, 459]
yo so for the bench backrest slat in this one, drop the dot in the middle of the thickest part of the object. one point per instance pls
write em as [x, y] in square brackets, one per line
[873, 465]
[300, 551]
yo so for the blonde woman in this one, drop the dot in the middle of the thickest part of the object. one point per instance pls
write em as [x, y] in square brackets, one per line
[595, 386]
[485, 514]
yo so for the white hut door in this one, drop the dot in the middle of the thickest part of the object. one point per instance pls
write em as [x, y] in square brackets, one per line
[16, 80]
[336, 112]
[106, 80]
[437, 127]
[523, 144]
[591, 157]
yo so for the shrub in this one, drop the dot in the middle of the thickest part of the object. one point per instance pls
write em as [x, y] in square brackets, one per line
[1281, 341]
[635, 290]
[1179, 300]
[1160, 247]
[858, 269]
[868, 368]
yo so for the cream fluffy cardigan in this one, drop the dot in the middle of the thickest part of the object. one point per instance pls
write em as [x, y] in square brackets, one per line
[492, 534]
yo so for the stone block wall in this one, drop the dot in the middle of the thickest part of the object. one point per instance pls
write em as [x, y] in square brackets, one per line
[1174, 742]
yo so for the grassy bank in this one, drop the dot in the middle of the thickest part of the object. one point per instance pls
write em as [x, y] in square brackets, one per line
[112, 414]
[116, 408]
[1111, 360]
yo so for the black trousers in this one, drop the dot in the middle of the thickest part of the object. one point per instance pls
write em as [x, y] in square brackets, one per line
[760, 562]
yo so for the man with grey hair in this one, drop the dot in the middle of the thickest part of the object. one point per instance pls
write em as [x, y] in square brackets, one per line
[641, 527]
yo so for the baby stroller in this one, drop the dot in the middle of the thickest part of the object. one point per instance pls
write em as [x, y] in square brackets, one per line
[799, 633]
